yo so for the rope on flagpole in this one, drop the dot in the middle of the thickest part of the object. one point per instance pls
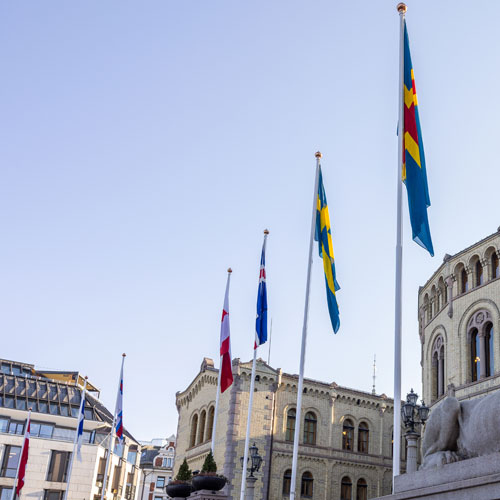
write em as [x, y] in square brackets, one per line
[300, 384]
[399, 260]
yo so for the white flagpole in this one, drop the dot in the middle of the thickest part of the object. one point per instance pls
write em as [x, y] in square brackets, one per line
[304, 337]
[250, 403]
[111, 438]
[20, 457]
[75, 442]
[216, 411]
[399, 261]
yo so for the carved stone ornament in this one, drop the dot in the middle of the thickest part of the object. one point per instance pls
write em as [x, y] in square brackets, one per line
[478, 319]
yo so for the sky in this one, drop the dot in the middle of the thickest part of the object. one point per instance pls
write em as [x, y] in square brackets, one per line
[145, 146]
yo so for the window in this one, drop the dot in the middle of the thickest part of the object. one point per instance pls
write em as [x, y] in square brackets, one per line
[488, 341]
[361, 490]
[474, 355]
[160, 482]
[464, 281]
[310, 423]
[201, 430]
[5, 493]
[437, 368]
[58, 467]
[287, 481]
[4, 424]
[363, 434]
[16, 427]
[41, 430]
[346, 489]
[132, 454]
[53, 495]
[495, 270]
[194, 428]
[158, 498]
[10, 460]
[306, 485]
[347, 435]
[479, 273]
[290, 425]
[169, 462]
[210, 426]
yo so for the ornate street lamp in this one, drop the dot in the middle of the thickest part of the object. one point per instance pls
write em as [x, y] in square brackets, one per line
[413, 415]
[255, 458]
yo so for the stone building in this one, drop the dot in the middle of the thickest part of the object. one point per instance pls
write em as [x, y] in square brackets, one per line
[346, 435]
[459, 324]
[157, 465]
[54, 398]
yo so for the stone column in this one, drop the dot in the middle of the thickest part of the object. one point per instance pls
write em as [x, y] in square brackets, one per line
[411, 457]
[482, 355]
[449, 284]
[250, 491]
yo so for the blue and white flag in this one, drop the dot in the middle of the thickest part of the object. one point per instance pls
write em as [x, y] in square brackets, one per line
[261, 321]
[79, 431]
[119, 407]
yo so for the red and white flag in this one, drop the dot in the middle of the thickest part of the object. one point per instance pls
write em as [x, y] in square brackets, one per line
[24, 457]
[226, 369]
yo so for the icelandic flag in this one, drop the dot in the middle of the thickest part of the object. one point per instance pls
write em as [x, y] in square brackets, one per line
[226, 369]
[119, 408]
[79, 432]
[261, 321]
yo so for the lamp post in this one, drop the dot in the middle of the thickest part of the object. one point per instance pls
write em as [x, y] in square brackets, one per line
[255, 461]
[413, 415]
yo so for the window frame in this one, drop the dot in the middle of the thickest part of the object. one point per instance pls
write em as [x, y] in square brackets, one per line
[62, 474]
[307, 485]
[348, 435]
[291, 422]
[310, 428]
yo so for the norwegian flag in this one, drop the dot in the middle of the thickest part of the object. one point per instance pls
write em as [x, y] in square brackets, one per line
[119, 407]
[261, 321]
[24, 457]
[226, 369]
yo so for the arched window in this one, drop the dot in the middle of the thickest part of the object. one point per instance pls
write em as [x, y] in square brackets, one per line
[310, 424]
[427, 307]
[479, 273]
[210, 426]
[464, 281]
[361, 490]
[474, 355]
[488, 341]
[290, 425]
[306, 485]
[287, 481]
[346, 488]
[347, 435]
[194, 428]
[495, 269]
[437, 368]
[363, 434]
[201, 429]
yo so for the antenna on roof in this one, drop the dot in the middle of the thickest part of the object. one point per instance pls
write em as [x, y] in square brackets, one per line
[374, 372]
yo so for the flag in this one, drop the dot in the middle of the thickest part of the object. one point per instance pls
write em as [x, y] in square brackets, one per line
[324, 238]
[79, 432]
[414, 173]
[119, 408]
[261, 321]
[226, 369]
[24, 457]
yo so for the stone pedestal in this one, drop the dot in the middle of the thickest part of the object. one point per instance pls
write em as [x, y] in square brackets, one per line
[250, 488]
[411, 456]
[207, 495]
[473, 479]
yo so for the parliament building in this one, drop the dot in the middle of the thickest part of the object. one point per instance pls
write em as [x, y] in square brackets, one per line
[346, 435]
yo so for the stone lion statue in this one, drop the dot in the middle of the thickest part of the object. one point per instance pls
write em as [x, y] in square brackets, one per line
[459, 430]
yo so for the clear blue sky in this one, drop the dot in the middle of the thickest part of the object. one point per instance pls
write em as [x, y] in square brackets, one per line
[146, 145]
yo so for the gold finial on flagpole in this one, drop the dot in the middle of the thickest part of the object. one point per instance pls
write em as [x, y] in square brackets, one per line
[402, 8]
[229, 270]
[318, 154]
[123, 354]
[266, 231]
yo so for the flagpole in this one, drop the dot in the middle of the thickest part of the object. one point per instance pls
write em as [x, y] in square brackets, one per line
[111, 440]
[304, 336]
[250, 403]
[75, 442]
[20, 456]
[216, 411]
[399, 262]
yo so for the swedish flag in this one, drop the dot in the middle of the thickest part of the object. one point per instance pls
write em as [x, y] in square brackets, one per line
[324, 238]
[414, 172]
